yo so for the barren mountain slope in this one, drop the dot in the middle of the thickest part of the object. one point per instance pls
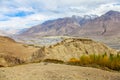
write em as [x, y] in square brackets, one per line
[105, 25]
[61, 26]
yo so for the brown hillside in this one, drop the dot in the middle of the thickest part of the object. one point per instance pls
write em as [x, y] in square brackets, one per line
[10, 49]
[74, 48]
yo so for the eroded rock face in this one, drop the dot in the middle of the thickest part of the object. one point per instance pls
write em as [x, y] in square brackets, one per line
[74, 48]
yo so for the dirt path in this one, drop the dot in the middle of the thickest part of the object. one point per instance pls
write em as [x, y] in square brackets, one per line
[41, 71]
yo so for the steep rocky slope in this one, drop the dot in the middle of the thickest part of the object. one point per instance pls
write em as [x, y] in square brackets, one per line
[74, 48]
[105, 25]
[62, 26]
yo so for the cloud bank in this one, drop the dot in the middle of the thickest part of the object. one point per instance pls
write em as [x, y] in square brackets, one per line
[18, 14]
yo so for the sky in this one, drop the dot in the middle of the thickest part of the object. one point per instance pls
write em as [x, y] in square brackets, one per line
[18, 14]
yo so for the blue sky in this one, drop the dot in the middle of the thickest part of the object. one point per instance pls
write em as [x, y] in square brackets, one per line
[15, 14]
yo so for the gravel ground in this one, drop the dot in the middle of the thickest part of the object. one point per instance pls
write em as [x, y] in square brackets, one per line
[50, 71]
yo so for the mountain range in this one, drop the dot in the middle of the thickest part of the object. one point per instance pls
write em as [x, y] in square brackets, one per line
[107, 24]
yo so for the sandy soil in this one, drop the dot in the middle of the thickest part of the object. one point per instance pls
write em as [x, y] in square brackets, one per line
[50, 71]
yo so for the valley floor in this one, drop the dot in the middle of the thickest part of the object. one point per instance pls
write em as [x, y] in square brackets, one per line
[50, 71]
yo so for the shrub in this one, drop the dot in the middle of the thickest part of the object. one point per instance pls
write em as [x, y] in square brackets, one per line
[109, 61]
[115, 62]
[85, 60]
[73, 61]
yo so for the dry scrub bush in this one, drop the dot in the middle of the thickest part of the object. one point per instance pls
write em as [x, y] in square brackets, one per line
[109, 61]
[74, 61]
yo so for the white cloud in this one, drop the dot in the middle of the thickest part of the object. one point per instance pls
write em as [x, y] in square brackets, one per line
[17, 22]
[102, 9]
[49, 9]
